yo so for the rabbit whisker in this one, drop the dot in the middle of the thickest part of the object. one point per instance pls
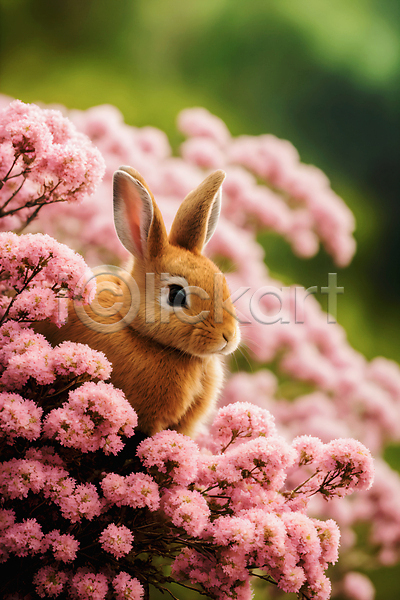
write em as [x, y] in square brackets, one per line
[245, 357]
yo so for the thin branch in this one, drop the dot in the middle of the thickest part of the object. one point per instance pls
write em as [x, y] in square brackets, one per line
[296, 489]
[39, 201]
[188, 587]
[18, 174]
[26, 282]
[9, 171]
[164, 589]
[7, 202]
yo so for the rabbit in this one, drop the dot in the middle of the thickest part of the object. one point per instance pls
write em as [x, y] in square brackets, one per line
[168, 359]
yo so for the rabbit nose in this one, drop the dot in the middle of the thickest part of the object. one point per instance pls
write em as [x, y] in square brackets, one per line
[228, 336]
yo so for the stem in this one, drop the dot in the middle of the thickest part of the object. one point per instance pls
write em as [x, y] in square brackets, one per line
[40, 200]
[188, 587]
[11, 212]
[267, 578]
[76, 380]
[296, 489]
[146, 590]
[164, 589]
[30, 218]
[9, 171]
[233, 438]
[26, 282]
[17, 175]
[328, 479]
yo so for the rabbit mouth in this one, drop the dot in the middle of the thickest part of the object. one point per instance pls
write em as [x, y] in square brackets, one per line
[228, 345]
[228, 348]
[225, 347]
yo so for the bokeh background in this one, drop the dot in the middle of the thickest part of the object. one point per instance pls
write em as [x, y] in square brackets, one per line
[324, 74]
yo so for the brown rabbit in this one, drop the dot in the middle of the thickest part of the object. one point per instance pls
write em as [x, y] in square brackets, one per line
[167, 358]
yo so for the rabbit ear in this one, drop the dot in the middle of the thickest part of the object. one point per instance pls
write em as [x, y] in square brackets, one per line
[137, 219]
[198, 214]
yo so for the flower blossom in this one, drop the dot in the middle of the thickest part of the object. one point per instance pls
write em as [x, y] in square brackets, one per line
[136, 490]
[358, 587]
[172, 453]
[127, 588]
[49, 581]
[234, 422]
[44, 160]
[95, 417]
[88, 585]
[19, 417]
[187, 509]
[63, 546]
[51, 273]
[117, 540]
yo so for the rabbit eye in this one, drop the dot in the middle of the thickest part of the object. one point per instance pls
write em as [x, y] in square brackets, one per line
[177, 295]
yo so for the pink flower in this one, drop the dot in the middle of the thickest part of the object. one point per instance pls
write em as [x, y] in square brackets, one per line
[7, 518]
[309, 449]
[329, 537]
[152, 142]
[353, 463]
[234, 530]
[34, 305]
[171, 453]
[24, 538]
[64, 546]
[260, 460]
[320, 587]
[94, 418]
[58, 485]
[201, 123]
[19, 417]
[24, 354]
[20, 476]
[241, 420]
[46, 455]
[49, 582]
[117, 540]
[48, 263]
[292, 579]
[76, 359]
[203, 152]
[358, 587]
[87, 585]
[83, 502]
[45, 157]
[269, 537]
[302, 538]
[127, 587]
[136, 490]
[187, 509]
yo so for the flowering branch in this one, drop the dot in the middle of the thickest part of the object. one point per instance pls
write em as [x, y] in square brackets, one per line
[44, 160]
[88, 512]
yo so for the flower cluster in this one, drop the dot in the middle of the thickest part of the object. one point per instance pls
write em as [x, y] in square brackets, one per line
[43, 160]
[95, 416]
[37, 276]
[69, 474]
[28, 361]
[51, 412]
[220, 517]
[266, 187]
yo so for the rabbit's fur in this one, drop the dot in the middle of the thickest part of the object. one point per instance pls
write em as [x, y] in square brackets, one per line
[170, 371]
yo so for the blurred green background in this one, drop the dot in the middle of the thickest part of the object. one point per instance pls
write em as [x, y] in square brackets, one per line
[324, 74]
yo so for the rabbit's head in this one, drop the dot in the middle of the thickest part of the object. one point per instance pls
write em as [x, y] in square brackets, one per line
[184, 298]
